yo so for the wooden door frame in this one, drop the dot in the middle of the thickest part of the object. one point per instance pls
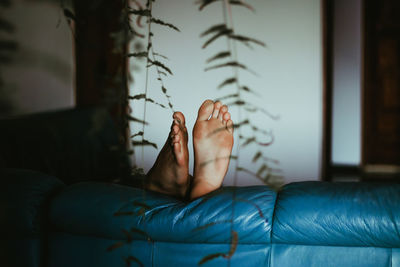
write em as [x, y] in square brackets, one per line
[327, 76]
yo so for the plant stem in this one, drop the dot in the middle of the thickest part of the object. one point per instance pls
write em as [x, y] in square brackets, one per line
[150, 5]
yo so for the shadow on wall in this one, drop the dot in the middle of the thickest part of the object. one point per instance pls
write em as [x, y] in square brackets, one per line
[35, 56]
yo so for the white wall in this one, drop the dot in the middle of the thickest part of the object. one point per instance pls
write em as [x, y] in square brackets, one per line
[346, 121]
[290, 79]
[41, 75]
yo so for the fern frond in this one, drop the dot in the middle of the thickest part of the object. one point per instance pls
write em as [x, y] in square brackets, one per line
[220, 55]
[131, 259]
[210, 257]
[138, 54]
[227, 97]
[246, 40]
[227, 82]
[243, 4]
[144, 142]
[226, 32]
[137, 134]
[214, 28]
[169, 25]
[159, 64]
[228, 64]
[134, 119]
[204, 3]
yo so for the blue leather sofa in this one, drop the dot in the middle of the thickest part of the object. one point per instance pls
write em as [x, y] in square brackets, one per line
[46, 223]
[49, 221]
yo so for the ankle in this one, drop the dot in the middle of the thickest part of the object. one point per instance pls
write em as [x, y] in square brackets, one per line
[200, 188]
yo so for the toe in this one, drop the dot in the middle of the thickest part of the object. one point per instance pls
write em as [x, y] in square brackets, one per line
[217, 107]
[229, 126]
[226, 117]
[175, 129]
[222, 112]
[177, 149]
[179, 117]
[205, 110]
[176, 139]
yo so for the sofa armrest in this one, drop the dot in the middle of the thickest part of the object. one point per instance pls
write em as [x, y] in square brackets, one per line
[23, 200]
[120, 212]
[22, 197]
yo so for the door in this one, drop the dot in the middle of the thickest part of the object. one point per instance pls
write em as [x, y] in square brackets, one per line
[381, 109]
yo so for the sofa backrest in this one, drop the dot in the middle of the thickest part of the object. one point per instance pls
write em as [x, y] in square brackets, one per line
[73, 145]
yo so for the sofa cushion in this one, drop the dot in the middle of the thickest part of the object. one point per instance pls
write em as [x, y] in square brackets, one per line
[114, 212]
[338, 214]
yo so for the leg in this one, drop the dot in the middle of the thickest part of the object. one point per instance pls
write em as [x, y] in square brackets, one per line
[212, 143]
[170, 172]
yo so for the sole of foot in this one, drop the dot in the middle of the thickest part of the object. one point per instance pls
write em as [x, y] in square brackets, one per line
[170, 172]
[212, 143]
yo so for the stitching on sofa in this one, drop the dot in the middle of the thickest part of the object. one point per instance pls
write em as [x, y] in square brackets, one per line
[272, 227]
[391, 258]
[152, 253]
[273, 215]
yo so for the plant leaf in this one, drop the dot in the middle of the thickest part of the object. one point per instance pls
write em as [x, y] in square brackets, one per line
[228, 64]
[131, 118]
[262, 169]
[216, 36]
[249, 141]
[137, 97]
[242, 3]
[226, 97]
[210, 257]
[137, 134]
[160, 55]
[253, 204]
[140, 204]
[257, 156]
[227, 82]
[160, 22]
[129, 237]
[214, 28]
[234, 242]
[245, 39]
[140, 232]
[159, 64]
[144, 142]
[143, 96]
[138, 54]
[220, 55]
[248, 90]
[133, 259]
[115, 245]
[204, 3]
[240, 124]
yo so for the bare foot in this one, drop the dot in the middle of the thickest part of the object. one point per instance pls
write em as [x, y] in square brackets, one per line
[170, 173]
[212, 143]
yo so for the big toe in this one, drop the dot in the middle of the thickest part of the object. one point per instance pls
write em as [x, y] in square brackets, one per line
[205, 110]
[179, 117]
